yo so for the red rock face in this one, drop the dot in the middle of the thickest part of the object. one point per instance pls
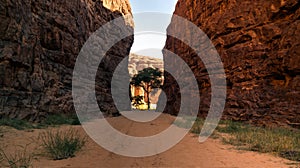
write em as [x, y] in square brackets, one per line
[258, 42]
[39, 43]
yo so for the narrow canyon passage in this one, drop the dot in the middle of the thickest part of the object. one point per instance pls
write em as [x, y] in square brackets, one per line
[257, 41]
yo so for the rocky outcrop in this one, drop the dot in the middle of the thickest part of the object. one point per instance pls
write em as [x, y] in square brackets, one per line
[39, 43]
[139, 62]
[122, 7]
[258, 42]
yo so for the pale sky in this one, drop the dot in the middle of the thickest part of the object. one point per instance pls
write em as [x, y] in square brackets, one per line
[165, 6]
[151, 43]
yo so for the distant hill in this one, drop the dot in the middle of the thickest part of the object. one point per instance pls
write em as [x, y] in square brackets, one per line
[138, 62]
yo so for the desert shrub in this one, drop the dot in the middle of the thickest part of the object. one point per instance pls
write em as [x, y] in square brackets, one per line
[62, 144]
[19, 159]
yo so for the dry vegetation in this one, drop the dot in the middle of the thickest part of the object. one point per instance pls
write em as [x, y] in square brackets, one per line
[282, 142]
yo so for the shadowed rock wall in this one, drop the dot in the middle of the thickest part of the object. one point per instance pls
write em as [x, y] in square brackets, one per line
[39, 43]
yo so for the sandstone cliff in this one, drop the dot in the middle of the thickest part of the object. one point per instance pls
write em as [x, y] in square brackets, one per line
[39, 43]
[138, 63]
[258, 42]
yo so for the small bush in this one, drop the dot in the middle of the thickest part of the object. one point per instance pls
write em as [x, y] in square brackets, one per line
[19, 159]
[62, 144]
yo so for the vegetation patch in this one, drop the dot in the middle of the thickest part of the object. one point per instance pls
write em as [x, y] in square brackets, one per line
[62, 144]
[51, 120]
[283, 142]
[60, 119]
[196, 128]
[16, 123]
[19, 159]
[280, 141]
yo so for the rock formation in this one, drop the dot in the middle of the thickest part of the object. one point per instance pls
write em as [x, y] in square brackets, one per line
[39, 43]
[258, 42]
[138, 63]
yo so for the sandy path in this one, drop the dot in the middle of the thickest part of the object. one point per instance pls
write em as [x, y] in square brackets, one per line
[188, 153]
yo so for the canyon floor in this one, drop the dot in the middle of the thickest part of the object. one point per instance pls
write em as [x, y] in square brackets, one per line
[188, 153]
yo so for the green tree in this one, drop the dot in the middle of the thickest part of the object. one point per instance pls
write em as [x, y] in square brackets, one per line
[148, 79]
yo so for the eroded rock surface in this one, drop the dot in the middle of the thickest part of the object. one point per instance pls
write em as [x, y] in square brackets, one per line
[258, 42]
[138, 63]
[39, 43]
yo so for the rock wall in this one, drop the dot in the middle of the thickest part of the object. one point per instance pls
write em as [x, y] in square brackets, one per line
[258, 42]
[39, 43]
